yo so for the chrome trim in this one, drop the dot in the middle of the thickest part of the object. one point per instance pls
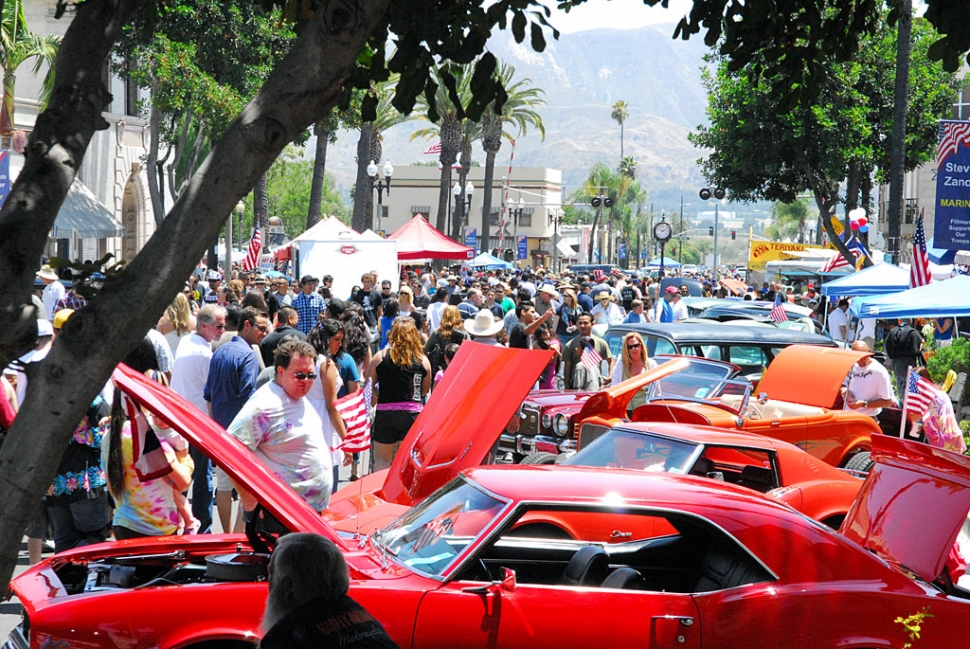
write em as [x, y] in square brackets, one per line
[16, 639]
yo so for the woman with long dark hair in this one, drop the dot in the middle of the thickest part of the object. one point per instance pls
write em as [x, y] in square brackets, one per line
[402, 377]
[324, 391]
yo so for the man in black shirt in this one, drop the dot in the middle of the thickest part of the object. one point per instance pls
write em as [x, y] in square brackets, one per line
[372, 304]
[308, 605]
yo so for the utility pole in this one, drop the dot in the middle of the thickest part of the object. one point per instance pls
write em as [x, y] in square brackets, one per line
[715, 238]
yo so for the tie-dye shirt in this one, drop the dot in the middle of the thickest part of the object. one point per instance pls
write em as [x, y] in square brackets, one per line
[145, 507]
[287, 436]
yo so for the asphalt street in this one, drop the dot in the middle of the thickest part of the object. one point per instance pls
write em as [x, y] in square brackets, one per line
[10, 611]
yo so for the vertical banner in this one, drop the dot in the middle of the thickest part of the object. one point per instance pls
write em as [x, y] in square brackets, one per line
[5, 181]
[584, 248]
[951, 225]
[621, 251]
[471, 236]
[523, 247]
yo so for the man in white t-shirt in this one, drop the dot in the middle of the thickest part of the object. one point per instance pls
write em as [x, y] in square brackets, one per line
[868, 387]
[839, 321]
[282, 428]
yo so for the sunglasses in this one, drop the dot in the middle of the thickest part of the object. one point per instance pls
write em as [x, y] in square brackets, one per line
[304, 376]
[636, 346]
[219, 326]
[263, 328]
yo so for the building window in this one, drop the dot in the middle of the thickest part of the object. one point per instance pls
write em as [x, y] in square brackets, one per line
[961, 107]
[131, 90]
[424, 210]
[912, 209]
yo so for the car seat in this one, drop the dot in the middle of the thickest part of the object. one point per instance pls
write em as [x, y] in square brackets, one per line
[626, 579]
[588, 567]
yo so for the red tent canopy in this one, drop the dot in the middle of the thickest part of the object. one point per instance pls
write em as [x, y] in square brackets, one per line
[417, 239]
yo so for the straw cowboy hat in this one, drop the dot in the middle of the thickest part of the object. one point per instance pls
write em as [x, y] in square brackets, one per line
[550, 290]
[604, 295]
[483, 324]
[46, 272]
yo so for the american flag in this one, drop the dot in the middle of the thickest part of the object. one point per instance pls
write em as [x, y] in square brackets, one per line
[778, 314]
[920, 393]
[434, 149]
[590, 357]
[952, 135]
[838, 261]
[353, 408]
[251, 262]
[919, 265]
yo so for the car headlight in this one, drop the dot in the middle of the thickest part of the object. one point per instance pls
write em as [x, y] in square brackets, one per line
[561, 425]
[546, 421]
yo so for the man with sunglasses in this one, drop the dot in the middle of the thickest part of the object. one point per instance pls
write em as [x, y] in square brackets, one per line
[190, 371]
[283, 429]
[232, 380]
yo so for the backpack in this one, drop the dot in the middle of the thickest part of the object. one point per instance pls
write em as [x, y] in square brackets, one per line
[626, 294]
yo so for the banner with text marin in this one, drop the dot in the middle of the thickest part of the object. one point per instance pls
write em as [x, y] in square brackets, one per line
[951, 225]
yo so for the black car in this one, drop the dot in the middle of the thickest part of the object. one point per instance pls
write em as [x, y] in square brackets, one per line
[750, 348]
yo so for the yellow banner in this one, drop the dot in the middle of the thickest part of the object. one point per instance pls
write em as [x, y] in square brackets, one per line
[761, 252]
[837, 224]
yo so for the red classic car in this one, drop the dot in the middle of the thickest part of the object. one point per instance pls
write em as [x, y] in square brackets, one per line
[779, 469]
[661, 561]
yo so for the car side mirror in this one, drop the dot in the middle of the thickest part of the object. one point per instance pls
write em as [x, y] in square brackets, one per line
[508, 580]
[762, 398]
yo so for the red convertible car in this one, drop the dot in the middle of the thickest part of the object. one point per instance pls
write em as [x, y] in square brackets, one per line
[659, 561]
[779, 469]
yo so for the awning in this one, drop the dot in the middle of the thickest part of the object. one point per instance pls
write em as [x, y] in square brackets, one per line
[82, 214]
[417, 239]
[566, 249]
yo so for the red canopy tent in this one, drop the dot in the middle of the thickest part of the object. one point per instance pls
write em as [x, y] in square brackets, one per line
[417, 239]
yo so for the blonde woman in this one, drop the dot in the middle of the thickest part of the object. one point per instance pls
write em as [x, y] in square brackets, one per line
[451, 330]
[405, 301]
[633, 362]
[177, 322]
[401, 375]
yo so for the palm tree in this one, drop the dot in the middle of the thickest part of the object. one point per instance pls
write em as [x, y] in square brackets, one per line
[518, 109]
[449, 127]
[325, 130]
[19, 46]
[788, 221]
[628, 167]
[621, 110]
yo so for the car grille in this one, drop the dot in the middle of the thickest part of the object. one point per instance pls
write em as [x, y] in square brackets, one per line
[529, 422]
[589, 432]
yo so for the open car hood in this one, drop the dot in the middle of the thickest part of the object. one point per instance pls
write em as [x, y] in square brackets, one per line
[239, 462]
[614, 399]
[827, 367]
[481, 390]
[912, 504]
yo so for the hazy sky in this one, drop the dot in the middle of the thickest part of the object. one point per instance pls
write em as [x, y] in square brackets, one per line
[616, 14]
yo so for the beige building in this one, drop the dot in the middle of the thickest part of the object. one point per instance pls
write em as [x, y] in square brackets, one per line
[534, 200]
[112, 169]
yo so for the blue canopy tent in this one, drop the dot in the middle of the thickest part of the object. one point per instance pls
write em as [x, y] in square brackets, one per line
[939, 255]
[937, 300]
[879, 279]
[487, 261]
[668, 263]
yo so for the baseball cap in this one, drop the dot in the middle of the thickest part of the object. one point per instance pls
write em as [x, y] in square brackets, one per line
[306, 279]
[61, 317]
[672, 289]
[213, 276]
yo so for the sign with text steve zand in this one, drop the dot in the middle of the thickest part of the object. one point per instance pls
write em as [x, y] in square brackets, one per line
[5, 181]
[951, 227]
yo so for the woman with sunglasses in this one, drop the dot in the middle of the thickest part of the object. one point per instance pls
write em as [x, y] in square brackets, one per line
[633, 362]
[401, 375]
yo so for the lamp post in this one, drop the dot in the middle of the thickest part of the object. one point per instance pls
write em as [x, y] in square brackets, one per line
[240, 209]
[380, 184]
[555, 218]
[463, 205]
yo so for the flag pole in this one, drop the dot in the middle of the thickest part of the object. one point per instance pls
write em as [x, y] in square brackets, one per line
[902, 424]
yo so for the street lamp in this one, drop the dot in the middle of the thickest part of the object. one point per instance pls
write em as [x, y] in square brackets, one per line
[555, 218]
[516, 215]
[380, 185]
[462, 205]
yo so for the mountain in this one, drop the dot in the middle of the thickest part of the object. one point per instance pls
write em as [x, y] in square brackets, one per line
[583, 74]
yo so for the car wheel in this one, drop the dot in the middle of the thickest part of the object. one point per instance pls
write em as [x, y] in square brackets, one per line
[539, 457]
[861, 461]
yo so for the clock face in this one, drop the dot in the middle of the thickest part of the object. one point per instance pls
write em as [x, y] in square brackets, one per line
[662, 231]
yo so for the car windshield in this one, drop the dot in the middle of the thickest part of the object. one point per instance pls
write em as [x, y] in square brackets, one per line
[699, 380]
[429, 537]
[625, 449]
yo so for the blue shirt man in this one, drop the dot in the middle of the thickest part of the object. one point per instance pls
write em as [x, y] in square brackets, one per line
[308, 304]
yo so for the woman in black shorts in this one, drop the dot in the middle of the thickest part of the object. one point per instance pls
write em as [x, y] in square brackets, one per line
[401, 375]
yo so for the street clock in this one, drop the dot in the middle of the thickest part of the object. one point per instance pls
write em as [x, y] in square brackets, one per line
[662, 232]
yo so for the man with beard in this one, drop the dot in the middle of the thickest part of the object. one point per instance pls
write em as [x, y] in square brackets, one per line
[308, 605]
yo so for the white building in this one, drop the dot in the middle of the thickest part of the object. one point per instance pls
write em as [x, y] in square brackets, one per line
[534, 199]
[112, 167]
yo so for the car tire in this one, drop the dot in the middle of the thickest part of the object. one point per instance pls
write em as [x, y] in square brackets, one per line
[861, 462]
[539, 457]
